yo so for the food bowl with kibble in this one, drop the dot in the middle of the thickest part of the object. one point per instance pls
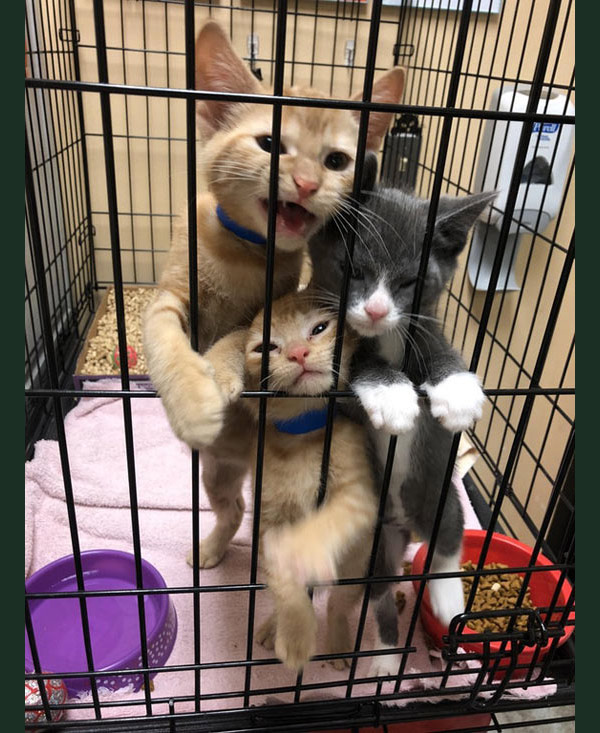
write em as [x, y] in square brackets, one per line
[113, 620]
[542, 586]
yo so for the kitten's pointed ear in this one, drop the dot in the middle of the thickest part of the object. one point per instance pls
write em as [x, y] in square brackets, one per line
[455, 216]
[219, 69]
[386, 90]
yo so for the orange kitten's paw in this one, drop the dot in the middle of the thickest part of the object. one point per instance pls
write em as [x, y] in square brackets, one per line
[230, 383]
[195, 404]
[211, 553]
[294, 556]
[265, 634]
[296, 635]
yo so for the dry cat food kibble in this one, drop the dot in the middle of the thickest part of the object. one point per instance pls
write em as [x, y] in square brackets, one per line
[495, 592]
[100, 356]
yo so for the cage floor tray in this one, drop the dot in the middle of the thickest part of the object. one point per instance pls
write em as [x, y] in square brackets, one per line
[99, 356]
[113, 620]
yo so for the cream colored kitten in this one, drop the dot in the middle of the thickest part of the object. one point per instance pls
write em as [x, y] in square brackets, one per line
[303, 544]
[316, 169]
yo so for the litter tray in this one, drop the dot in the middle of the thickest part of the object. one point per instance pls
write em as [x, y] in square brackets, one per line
[113, 620]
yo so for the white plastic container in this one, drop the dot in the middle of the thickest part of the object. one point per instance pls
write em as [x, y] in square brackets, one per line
[538, 199]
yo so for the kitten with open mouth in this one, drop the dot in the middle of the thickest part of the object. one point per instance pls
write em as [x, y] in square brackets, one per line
[292, 218]
[317, 153]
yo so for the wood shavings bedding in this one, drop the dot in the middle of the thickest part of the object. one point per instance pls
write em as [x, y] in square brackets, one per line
[99, 358]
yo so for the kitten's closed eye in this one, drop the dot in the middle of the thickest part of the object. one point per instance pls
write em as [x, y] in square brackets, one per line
[356, 273]
[408, 283]
[259, 349]
[265, 142]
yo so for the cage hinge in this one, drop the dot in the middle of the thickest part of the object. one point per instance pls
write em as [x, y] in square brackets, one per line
[88, 231]
[69, 35]
[89, 293]
[403, 49]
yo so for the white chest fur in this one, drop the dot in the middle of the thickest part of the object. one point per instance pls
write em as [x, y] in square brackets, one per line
[391, 348]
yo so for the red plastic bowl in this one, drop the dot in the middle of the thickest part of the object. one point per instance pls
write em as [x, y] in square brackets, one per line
[515, 554]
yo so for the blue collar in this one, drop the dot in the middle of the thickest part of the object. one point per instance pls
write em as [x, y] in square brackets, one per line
[238, 229]
[307, 422]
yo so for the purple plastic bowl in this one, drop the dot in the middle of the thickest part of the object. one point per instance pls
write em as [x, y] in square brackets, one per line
[114, 620]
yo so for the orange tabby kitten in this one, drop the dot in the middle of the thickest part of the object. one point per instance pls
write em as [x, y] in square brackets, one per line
[301, 543]
[316, 169]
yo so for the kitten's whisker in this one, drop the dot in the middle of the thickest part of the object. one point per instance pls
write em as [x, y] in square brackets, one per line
[340, 214]
[423, 317]
[343, 239]
[343, 379]
[370, 212]
[365, 222]
[415, 347]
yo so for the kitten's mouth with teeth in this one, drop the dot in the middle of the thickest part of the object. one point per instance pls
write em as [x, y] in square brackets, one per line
[291, 218]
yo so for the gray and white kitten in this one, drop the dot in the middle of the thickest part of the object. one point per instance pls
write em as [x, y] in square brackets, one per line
[390, 230]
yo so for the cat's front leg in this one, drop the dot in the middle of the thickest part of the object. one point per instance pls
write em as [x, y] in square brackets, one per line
[391, 406]
[298, 554]
[227, 357]
[446, 594]
[456, 401]
[265, 634]
[293, 627]
[194, 403]
[296, 634]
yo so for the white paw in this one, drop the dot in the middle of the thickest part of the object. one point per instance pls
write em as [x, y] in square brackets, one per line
[385, 665]
[446, 597]
[390, 407]
[456, 401]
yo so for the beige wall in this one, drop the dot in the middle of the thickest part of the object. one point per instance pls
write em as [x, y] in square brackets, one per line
[151, 169]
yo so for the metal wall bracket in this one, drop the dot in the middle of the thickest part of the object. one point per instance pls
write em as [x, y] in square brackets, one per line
[69, 35]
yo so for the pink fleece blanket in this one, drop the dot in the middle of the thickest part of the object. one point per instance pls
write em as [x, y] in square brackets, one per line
[96, 447]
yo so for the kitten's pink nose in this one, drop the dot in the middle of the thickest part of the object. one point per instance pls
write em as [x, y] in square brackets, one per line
[376, 309]
[305, 186]
[298, 353]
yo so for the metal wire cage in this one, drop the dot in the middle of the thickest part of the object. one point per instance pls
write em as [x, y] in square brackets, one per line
[110, 106]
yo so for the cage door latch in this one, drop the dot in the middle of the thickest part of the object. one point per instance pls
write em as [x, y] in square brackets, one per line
[498, 665]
